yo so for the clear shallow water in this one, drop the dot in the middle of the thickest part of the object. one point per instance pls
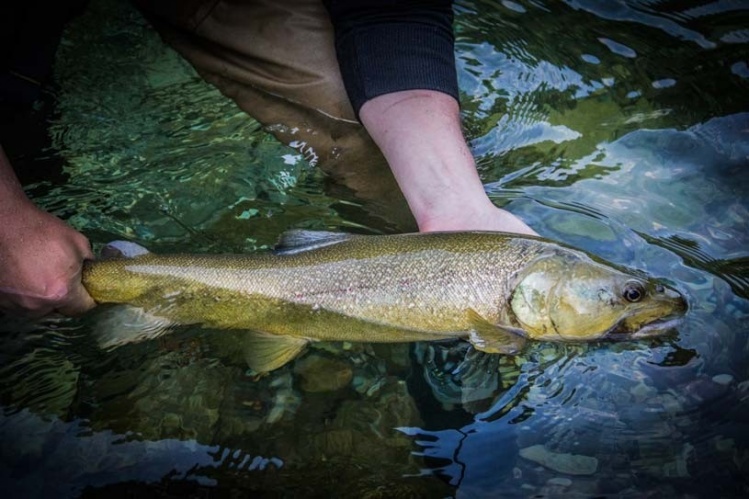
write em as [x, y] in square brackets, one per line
[620, 128]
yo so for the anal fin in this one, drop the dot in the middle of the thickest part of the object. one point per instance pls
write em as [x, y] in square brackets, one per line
[267, 352]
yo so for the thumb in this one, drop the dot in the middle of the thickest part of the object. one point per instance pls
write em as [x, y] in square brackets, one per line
[78, 302]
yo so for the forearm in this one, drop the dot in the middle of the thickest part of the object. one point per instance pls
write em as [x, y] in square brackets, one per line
[11, 192]
[398, 65]
[437, 176]
[419, 133]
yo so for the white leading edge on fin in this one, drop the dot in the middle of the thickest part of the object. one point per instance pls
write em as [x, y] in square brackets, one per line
[299, 240]
[123, 249]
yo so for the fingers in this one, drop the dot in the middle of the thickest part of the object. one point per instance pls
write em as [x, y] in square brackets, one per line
[77, 302]
[33, 295]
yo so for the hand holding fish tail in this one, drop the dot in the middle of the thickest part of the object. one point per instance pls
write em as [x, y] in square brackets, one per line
[40, 256]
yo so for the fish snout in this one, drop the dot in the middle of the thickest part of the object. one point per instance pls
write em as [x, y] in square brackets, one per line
[674, 297]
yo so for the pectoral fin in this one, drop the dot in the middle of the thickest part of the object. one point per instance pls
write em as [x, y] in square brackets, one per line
[490, 338]
[267, 352]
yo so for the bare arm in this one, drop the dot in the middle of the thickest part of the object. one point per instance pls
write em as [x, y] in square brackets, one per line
[40, 255]
[397, 62]
[419, 133]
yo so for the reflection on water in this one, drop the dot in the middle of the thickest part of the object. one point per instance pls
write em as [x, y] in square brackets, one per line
[617, 127]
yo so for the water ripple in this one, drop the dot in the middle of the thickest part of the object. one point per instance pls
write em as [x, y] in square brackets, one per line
[620, 11]
[714, 8]
[649, 176]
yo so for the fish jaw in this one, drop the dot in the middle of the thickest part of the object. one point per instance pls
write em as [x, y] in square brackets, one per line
[660, 327]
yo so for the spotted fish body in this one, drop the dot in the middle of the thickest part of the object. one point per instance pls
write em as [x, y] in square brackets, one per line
[495, 289]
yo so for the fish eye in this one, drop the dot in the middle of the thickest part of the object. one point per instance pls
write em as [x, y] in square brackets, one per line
[633, 292]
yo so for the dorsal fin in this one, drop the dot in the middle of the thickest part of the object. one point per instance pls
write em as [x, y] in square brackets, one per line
[299, 240]
[122, 249]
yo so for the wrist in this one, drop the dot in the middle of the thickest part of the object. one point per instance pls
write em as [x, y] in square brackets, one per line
[451, 214]
[439, 208]
[18, 213]
[12, 196]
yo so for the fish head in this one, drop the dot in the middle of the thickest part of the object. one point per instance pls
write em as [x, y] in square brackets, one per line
[568, 296]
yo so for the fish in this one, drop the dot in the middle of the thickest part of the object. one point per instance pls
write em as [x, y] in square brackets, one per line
[496, 290]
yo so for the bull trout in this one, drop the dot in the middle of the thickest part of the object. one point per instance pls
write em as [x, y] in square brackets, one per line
[494, 289]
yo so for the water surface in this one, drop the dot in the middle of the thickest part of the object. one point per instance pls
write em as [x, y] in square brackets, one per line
[618, 127]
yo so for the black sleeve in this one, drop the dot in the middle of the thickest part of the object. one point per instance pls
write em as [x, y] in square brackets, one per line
[386, 46]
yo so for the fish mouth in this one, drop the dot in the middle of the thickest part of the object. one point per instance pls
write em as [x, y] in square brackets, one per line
[659, 327]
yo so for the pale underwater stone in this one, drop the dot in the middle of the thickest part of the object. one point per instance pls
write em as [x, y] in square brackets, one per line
[723, 379]
[559, 481]
[571, 464]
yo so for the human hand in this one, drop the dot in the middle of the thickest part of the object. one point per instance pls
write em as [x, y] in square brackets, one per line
[40, 263]
[477, 214]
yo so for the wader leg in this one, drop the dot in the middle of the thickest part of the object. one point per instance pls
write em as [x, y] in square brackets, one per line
[276, 59]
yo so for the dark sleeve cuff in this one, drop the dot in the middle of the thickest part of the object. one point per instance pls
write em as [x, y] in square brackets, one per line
[408, 48]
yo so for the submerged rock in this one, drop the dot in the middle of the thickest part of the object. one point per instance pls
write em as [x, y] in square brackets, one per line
[165, 398]
[335, 442]
[559, 481]
[285, 401]
[571, 464]
[321, 374]
[723, 379]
